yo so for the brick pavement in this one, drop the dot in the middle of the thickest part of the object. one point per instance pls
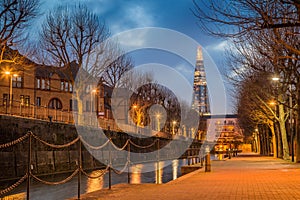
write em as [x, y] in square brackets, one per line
[237, 178]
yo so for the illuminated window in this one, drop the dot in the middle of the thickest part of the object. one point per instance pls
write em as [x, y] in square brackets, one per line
[17, 82]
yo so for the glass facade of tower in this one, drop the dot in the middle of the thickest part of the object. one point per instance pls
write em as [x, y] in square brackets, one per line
[201, 98]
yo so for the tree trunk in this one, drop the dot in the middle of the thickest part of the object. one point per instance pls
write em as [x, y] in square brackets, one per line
[274, 142]
[279, 141]
[297, 125]
[285, 145]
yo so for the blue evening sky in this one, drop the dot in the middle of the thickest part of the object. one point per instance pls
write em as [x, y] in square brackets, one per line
[123, 15]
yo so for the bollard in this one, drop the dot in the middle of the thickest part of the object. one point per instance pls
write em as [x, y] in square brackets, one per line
[207, 159]
[207, 163]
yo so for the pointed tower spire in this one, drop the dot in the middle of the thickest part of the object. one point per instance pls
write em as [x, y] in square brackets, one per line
[201, 98]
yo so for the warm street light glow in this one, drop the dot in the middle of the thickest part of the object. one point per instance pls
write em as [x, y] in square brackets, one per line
[10, 89]
[173, 128]
[272, 103]
[93, 91]
[158, 123]
[275, 78]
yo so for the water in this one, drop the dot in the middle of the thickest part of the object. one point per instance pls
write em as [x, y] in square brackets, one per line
[140, 173]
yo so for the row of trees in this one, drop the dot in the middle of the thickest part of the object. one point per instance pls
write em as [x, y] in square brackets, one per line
[264, 65]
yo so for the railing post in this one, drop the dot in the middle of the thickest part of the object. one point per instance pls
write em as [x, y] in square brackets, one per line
[28, 165]
[79, 167]
[128, 168]
[157, 163]
[109, 168]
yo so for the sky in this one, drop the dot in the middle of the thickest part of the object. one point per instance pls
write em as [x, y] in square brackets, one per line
[125, 15]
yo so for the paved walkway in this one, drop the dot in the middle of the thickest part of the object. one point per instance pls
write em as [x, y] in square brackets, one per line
[244, 177]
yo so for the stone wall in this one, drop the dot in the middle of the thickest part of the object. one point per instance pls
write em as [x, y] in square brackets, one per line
[47, 160]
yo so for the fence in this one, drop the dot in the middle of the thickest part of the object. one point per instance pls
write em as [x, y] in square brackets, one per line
[79, 171]
[19, 108]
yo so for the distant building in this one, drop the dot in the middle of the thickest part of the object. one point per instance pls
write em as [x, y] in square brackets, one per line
[201, 98]
[224, 131]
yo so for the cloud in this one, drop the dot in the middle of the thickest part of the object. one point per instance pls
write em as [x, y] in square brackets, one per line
[133, 16]
[221, 46]
[186, 70]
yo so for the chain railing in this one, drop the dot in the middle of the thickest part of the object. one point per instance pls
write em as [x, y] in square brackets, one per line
[79, 170]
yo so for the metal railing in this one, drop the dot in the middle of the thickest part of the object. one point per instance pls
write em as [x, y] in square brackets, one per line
[79, 171]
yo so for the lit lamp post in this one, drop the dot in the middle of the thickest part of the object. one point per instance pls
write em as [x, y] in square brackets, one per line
[10, 88]
[93, 92]
[273, 103]
[158, 123]
[173, 128]
[135, 113]
[291, 117]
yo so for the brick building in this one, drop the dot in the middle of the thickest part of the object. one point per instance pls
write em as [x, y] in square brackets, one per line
[43, 92]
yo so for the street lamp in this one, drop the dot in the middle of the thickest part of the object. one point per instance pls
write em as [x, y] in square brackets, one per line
[276, 79]
[158, 123]
[92, 93]
[10, 88]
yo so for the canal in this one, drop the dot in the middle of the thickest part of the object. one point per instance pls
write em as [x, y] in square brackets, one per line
[140, 173]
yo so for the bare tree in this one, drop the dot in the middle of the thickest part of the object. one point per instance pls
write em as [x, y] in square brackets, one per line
[15, 16]
[71, 33]
[240, 18]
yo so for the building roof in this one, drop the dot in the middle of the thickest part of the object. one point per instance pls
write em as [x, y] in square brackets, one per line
[65, 73]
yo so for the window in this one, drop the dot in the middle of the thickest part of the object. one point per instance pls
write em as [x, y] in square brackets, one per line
[62, 85]
[27, 100]
[22, 100]
[71, 104]
[70, 87]
[66, 86]
[87, 106]
[38, 101]
[38, 83]
[75, 105]
[5, 99]
[17, 82]
[43, 83]
[55, 103]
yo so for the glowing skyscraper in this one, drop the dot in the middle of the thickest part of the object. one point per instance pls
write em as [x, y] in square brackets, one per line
[201, 98]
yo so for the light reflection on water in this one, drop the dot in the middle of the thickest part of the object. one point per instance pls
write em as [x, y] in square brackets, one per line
[140, 173]
[175, 168]
[94, 184]
[136, 171]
